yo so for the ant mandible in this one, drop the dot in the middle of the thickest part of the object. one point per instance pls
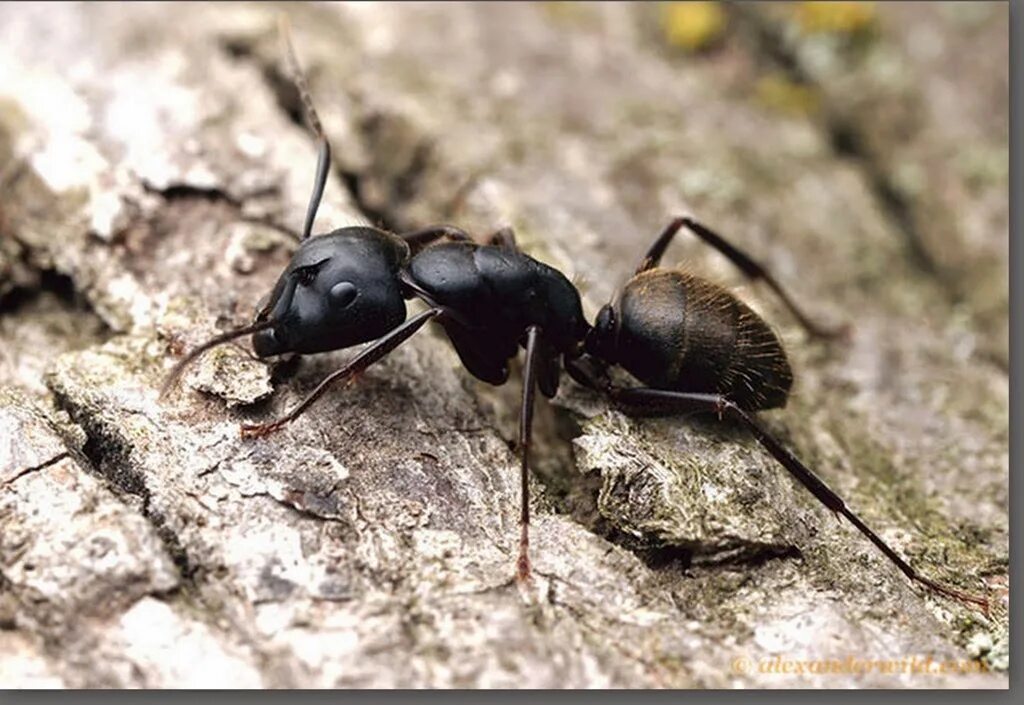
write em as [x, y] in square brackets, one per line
[696, 346]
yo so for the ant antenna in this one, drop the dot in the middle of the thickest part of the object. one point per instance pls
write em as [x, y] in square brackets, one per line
[172, 377]
[323, 161]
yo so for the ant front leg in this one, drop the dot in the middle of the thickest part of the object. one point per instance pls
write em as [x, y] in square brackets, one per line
[646, 399]
[369, 355]
[746, 264]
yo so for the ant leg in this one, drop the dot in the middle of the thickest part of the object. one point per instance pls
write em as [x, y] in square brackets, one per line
[681, 402]
[366, 357]
[588, 371]
[425, 236]
[505, 238]
[323, 160]
[533, 345]
[741, 260]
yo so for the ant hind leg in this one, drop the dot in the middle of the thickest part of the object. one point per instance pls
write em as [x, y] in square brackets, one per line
[746, 264]
[643, 398]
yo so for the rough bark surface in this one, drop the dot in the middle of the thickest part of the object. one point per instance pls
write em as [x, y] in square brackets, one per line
[154, 166]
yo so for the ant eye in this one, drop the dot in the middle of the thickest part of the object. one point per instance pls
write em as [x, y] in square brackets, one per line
[343, 293]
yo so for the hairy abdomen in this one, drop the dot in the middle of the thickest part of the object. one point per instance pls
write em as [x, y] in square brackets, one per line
[680, 332]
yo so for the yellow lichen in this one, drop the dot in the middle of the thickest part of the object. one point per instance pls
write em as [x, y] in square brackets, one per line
[570, 13]
[836, 17]
[777, 91]
[693, 25]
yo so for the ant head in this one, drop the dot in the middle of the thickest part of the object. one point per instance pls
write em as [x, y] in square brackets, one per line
[338, 290]
[602, 339]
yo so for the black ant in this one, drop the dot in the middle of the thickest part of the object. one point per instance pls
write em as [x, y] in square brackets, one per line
[696, 346]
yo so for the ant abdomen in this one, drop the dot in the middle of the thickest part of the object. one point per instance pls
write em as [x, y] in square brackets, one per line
[676, 331]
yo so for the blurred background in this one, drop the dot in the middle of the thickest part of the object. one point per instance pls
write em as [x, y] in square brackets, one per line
[153, 166]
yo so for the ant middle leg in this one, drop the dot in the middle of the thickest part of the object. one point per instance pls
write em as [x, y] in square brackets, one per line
[752, 269]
